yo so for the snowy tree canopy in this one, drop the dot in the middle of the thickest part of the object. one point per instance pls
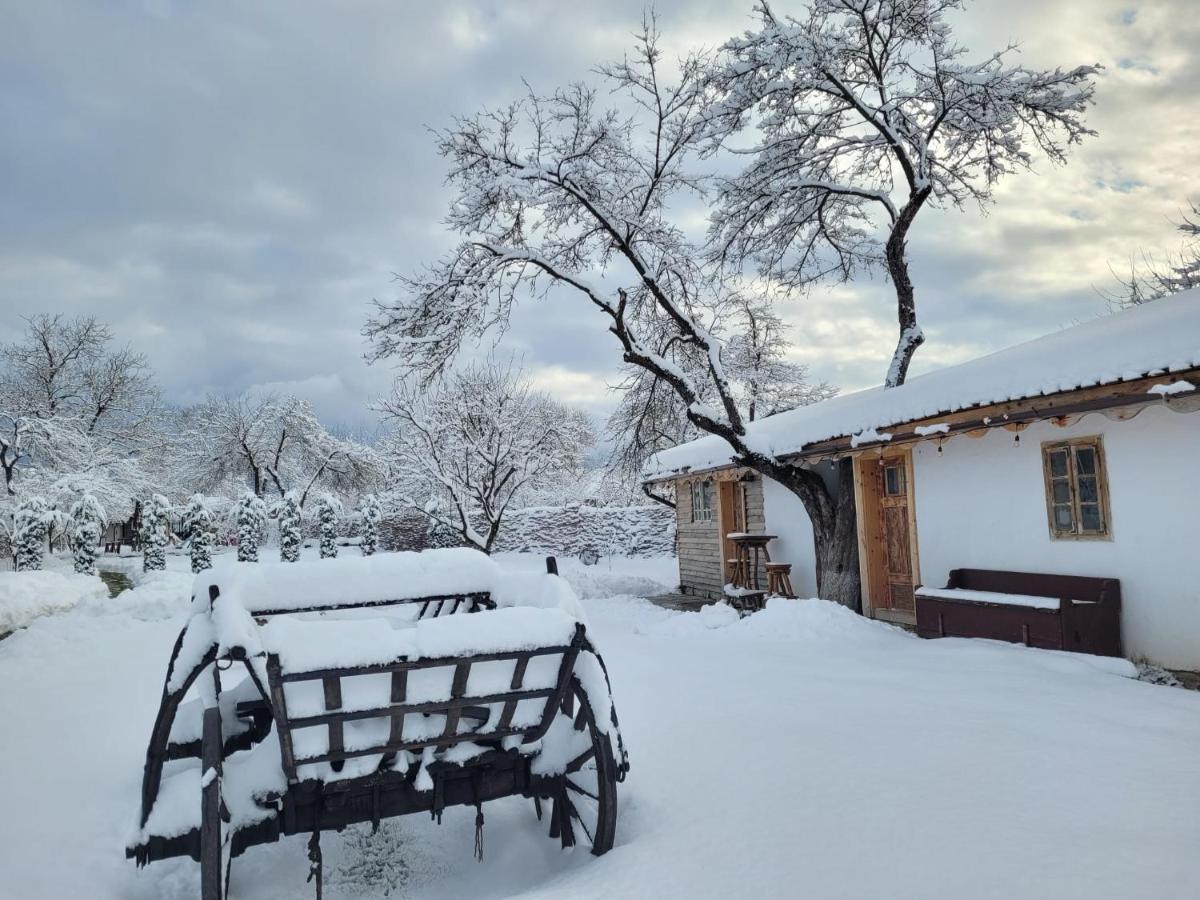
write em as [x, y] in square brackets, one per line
[371, 513]
[156, 533]
[329, 508]
[482, 438]
[30, 523]
[70, 405]
[863, 112]
[250, 517]
[198, 527]
[1152, 277]
[291, 526]
[274, 444]
[87, 524]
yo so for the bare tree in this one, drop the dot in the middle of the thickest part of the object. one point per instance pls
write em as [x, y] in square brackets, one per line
[1150, 277]
[66, 398]
[483, 439]
[271, 444]
[551, 190]
[866, 114]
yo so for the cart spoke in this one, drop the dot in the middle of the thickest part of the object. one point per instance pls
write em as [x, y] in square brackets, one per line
[580, 790]
[577, 763]
[578, 818]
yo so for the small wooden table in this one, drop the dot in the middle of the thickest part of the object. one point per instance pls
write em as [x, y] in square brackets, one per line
[751, 548]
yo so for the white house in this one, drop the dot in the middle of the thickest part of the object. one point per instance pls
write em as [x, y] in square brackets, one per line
[1070, 454]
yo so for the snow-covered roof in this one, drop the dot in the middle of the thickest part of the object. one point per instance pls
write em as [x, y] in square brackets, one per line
[1151, 339]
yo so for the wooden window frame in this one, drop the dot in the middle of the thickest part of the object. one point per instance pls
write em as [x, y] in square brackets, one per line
[1071, 445]
[702, 513]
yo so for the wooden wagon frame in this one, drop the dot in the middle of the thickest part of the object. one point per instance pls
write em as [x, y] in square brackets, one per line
[417, 771]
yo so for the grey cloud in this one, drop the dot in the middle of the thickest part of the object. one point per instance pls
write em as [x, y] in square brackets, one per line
[229, 185]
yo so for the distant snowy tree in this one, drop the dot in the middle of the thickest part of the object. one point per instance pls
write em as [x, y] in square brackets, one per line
[1151, 277]
[863, 113]
[481, 438]
[156, 517]
[328, 510]
[87, 525]
[198, 526]
[62, 384]
[291, 526]
[250, 514]
[372, 514]
[274, 443]
[30, 522]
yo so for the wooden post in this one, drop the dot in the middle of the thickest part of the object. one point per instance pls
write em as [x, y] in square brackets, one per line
[551, 565]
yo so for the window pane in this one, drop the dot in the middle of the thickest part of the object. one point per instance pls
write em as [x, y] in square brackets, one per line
[1089, 491]
[1062, 490]
[1058, 463]
[893, 481]
[1085, 459]
[1089, 514]
[1063, 519]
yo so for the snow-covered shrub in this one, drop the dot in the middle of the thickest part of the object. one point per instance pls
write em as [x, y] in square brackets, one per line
[87, 524]
[198, 526]
[30, 521]
[291, 533]
[372, 515]
[251, 516]
[156, 516]
[328, 508]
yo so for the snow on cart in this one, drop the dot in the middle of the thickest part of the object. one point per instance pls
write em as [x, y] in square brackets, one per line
[305, 697]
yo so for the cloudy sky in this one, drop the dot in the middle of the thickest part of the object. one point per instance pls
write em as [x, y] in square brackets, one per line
[229, 184]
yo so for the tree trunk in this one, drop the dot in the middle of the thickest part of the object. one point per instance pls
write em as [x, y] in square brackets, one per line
[834, 525]
[911, 337]
[837, 546]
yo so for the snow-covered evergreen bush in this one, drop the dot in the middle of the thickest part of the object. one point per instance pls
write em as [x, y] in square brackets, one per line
[29, 532]
[372, 515]
[291, 533]
[87, 524]
[328, 508]
[251, 517]
[198, 526]
[155, 534]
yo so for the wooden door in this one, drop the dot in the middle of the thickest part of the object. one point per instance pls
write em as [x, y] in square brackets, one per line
[732, 508]
[894, 529]
[887, 539]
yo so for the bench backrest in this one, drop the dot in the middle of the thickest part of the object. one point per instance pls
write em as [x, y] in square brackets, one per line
[1038, 584]
[335, 715]
[430, 607]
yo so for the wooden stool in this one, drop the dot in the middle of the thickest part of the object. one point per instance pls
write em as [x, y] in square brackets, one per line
[779, 579]
[735, 572]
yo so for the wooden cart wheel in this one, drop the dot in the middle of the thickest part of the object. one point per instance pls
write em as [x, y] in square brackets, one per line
[585, 810]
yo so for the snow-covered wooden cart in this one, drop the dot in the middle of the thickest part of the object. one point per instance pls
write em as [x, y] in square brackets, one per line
[310, 696]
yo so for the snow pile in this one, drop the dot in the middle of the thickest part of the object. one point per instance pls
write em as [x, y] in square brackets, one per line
[155, 596]
[781, 620]
[305, 644]
[352, 579]
[24, 596]
[1154, 338]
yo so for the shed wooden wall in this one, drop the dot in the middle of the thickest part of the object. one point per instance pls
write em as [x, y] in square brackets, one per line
[700, 542]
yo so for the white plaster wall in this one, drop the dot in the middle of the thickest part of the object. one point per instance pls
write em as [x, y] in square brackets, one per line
[785, 516]
[981, 504]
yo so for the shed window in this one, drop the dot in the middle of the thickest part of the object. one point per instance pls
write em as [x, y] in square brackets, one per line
[1076, 491]
[702, 494]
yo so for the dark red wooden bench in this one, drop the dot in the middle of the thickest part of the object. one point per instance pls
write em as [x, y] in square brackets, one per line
[1086, 618]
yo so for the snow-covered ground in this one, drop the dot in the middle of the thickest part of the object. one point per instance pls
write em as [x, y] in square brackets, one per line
[801, 752]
